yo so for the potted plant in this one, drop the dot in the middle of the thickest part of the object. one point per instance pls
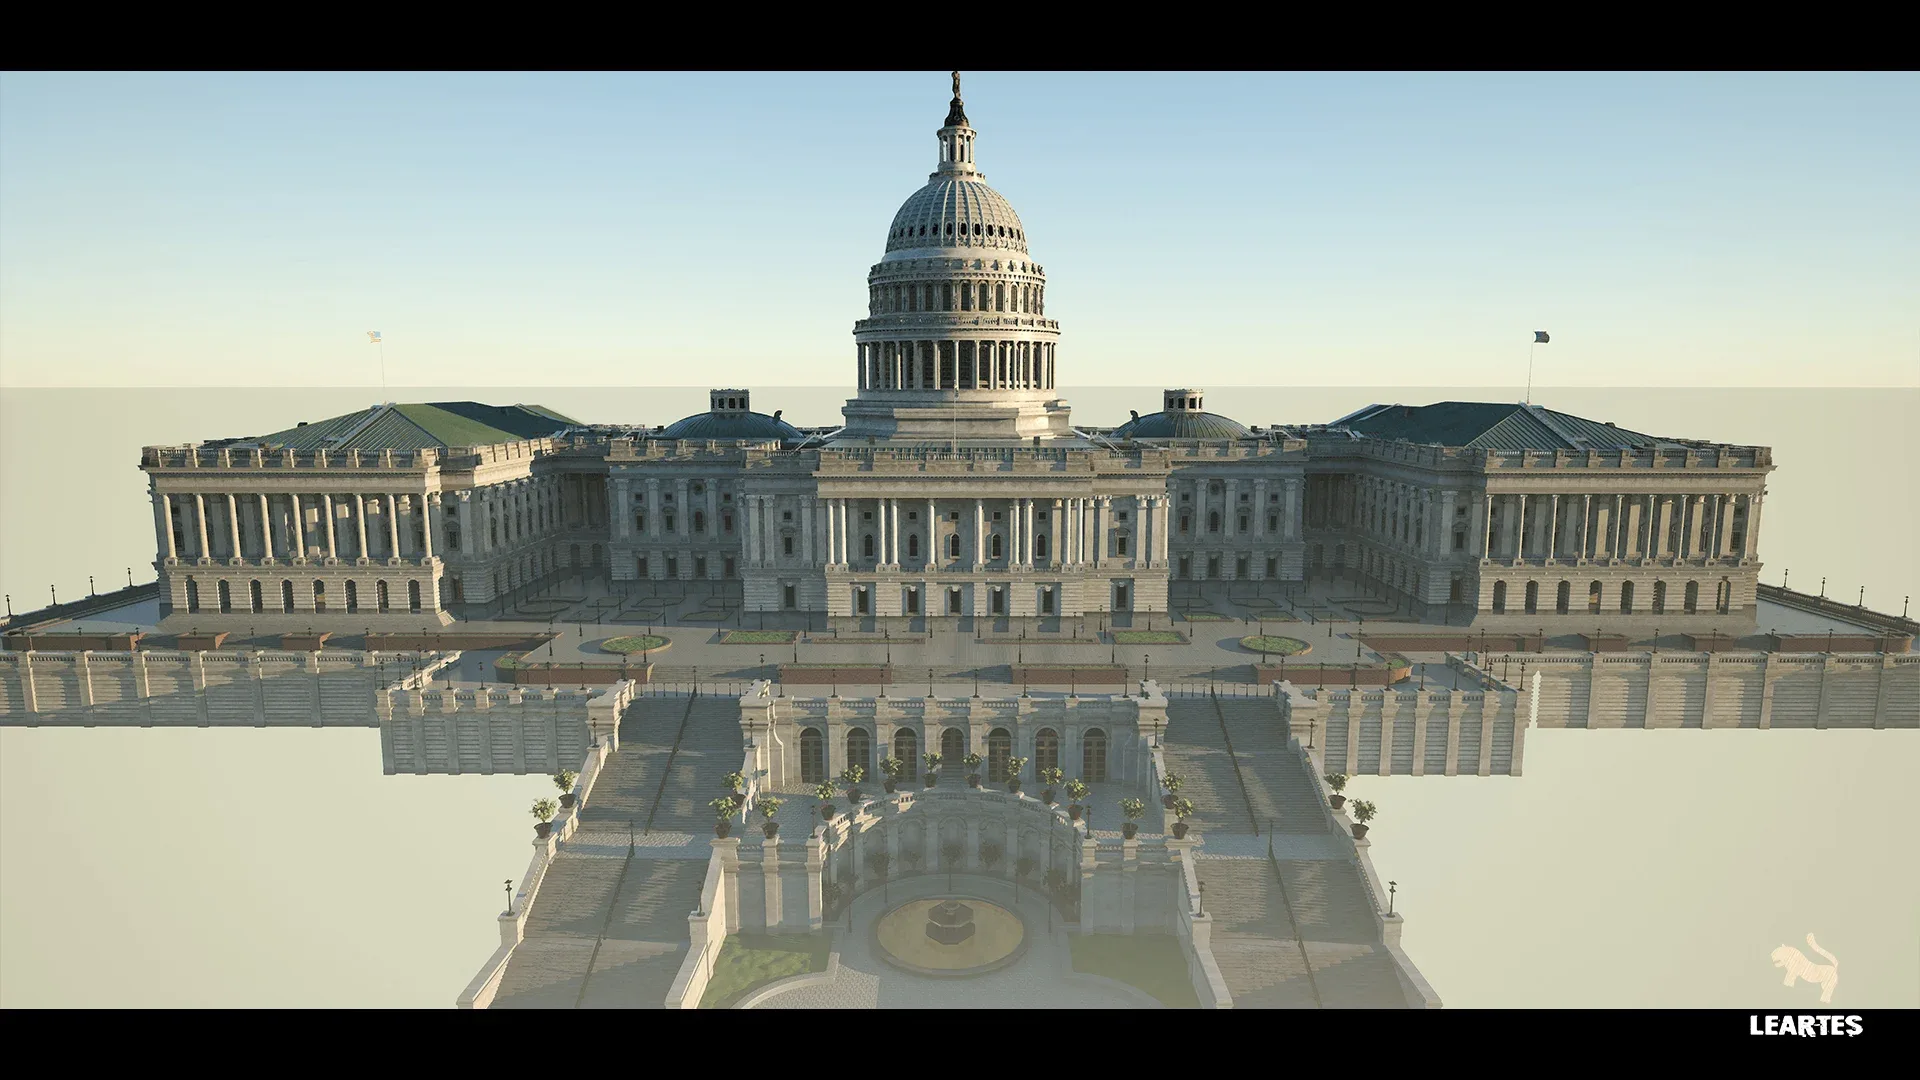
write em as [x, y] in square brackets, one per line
[1024, 868]
[724, 808]
[1133, 808]
[1172, 783]
[564, 781]
[878, 863]
[769, 806]
[1015, 766]
[1337, 783]
[543, 811]
[1363, 812]
[990, 853]
[830, 894]
[1052, 778]
[1076, 790]
[892, 767]
[932, 762]
[736, 783]
[824, 792]
[973, 770]
[850, 778]
[1182, 809]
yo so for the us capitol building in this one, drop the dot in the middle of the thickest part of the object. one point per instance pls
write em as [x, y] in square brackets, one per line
[958, 486]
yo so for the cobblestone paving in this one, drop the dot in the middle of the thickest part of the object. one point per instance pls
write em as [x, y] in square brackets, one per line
[1041, 979]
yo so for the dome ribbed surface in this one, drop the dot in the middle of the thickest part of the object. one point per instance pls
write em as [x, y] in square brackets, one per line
[732, 425]
[1181, 425]
[954, 211]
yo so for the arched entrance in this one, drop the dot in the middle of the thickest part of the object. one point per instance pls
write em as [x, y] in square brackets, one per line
[906, 747]
[813, 756]
[1046, 750]
[1093, 756]
[999, 752]
[860, 750]
[953, 747]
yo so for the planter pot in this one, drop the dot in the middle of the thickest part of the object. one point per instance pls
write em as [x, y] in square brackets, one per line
[1179, 830]
[889, 786]
[826, 813]
[1337, 801]
[1167, 800]
[854, 799]
[770, 828]
[722, 828]
[1047, 797]
[543, 829]
[933, 779]
[1129, 829]
[1013, 785]
[566, 800]
[1359, 832]
[973, 780]
[1074, 811]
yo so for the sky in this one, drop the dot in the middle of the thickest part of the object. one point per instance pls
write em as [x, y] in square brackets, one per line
[674, 229]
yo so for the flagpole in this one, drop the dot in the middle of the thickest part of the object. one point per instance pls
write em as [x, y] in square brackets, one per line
[383, 369]
[1530, 348]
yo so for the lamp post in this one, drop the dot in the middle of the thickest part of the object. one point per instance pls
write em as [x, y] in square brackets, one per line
[1862, 602]
[1823, 588]
[509, 896]
[1392, 887]
[129, 577]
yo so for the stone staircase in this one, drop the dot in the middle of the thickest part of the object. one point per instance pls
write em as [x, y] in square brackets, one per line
[1195, 751]
[1281, 793]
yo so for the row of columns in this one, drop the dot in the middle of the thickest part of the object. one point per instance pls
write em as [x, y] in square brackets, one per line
[1641, 526]
[256, 527]
[1079, 531]
[964, 364]
[1200, 490]
[1018, 298]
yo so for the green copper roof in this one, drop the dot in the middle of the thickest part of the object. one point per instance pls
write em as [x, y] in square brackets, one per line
[1181, 424]
[416, 427]
[1491, 426]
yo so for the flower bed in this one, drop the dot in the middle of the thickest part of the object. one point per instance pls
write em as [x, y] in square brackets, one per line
[1274, 645]
[757, 637]
[1149, 637]
[635, 643]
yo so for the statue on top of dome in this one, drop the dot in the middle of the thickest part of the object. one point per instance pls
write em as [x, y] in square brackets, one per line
[956, 84]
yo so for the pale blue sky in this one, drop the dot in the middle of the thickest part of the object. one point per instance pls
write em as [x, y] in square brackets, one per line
[711, 228]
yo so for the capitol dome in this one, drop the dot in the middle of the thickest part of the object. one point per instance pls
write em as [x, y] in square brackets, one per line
[956, 343]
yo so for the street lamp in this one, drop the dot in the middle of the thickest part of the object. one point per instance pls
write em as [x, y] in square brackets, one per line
[509, 896]
[1392, 887]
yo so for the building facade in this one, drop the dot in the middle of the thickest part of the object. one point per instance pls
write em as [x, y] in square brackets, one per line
[957, 486]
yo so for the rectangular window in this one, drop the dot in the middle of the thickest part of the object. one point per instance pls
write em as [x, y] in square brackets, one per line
[913, 601]
[726, 568]
[1459, 541]
[786, 545]
[1046, 601]
[954, 516]
[786, 598]
[953, 601]
[1120, 544]
[860, 601]
[786, 515]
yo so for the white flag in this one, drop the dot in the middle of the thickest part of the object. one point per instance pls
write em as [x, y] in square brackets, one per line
[373, 337]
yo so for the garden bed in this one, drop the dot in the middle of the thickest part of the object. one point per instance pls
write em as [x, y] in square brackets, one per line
[1274, 645]
[635, 643]
[758, 637]
[1149, 637]
[750, 961]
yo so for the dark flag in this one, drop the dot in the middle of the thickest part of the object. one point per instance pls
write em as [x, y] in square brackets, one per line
[1539, 337]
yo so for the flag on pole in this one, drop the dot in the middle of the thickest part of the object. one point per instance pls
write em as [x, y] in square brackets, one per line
[1539, 337]
[373, 337]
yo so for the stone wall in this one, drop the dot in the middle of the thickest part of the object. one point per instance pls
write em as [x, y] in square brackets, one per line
[425, 729]
[1712, 690]
[1440, 732]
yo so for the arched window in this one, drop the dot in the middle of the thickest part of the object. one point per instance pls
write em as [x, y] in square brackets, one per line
[1213, 521]
[860, 750]
[994, 547]
[257, 601]
[1693, 597]
[999, 752]
[1593, 598]
[353, 596]
[286, 597]
[1562, 597]
[1040, 546]
[319, 596]
[1626, 598]
[906, 747]
[1533, 597]
[413, 596]
[953, 546]
[1659, 598]
[813, 756]
[1723, 597]
[193, 595]
[866, 545]
[226, 596]
[380, 595]
[953, 747]
[913, 546]
[699, 521]
[1093, 756]
[1046, 750]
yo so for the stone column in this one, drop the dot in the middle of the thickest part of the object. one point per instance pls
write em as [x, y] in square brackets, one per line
[1102, 525]
[1163, 531]
[1486, 547]
[200, 525]
[979, 533]
[806, 529]
[880, 547]
[713, 508]
[827, 515]
[1053, 533]
[683, 509]
[333, 548]
[932, 555]
[163, 523]
[465, 510]
[653, 507]
[893, 528]
[360, 524]
[1749, 540]
[1228, 513]
[233, 525]
[298, 534]
[428, 500]
[266, 526]
[1026, 533]
[1259, 509]
[1553, 528]
[393, 525]
[750, 508]
[846, 533]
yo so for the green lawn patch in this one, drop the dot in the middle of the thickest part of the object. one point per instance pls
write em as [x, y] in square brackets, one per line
[1153, 963]
[635, 643]
[706, 616]
[1149, 637]
[749, 961]
[1274, 645]
[757, 637]
[1207, 616]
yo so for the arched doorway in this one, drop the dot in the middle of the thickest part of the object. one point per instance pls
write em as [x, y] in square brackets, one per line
[1093, 756]
[1626, 598]
[813, 756]
[413, 596]
[1533, 597]
[953, 747]
[353, 596]
[999, 752]
[1499, 598]
[1593, 598]
[1723, 597]
[1046, 750]
[906, 747]
[256, 596]
[1693, 597]
[860, 750]
[1562, 597]
[1659, 598]
[226, 596]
